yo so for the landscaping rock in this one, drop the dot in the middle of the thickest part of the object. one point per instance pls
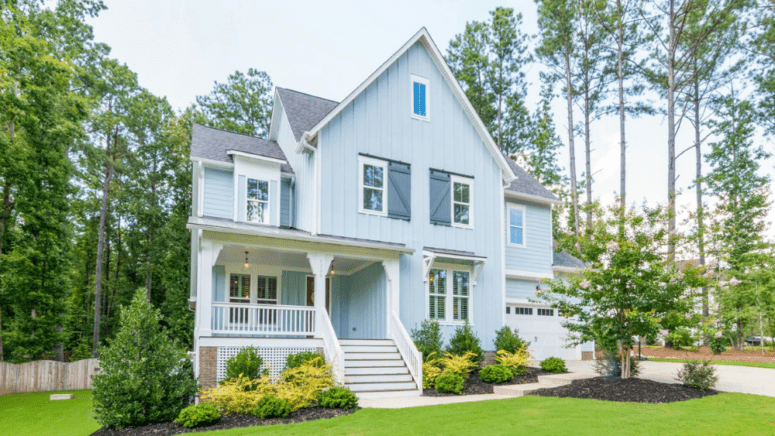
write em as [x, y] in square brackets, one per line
[632, 390]
[55, 397]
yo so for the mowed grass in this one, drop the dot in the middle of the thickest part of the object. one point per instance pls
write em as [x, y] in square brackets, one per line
[35, 415]
[723, 414]
[719, 362]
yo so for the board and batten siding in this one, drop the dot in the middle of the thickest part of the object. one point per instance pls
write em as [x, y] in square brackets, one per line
[285, 202]
[303, 208]
[218, 193]
[379, 122]
[536, 256]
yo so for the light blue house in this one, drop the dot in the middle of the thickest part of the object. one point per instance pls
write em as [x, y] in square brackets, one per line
[357, 220]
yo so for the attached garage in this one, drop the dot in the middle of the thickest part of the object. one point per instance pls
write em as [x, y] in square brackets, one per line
[542, 327]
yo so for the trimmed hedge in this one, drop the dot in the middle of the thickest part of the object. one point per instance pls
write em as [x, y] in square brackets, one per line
[496, 374]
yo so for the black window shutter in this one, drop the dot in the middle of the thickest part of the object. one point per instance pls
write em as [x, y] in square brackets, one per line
[440, 199]
[399, 191]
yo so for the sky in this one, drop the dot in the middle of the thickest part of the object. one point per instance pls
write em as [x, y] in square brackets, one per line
[180, 48]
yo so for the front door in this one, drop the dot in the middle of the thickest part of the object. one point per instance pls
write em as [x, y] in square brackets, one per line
[311, 292]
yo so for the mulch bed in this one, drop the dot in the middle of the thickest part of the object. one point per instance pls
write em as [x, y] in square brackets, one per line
[631, 390]
[475, 386]
[705, 353]
[226, 422]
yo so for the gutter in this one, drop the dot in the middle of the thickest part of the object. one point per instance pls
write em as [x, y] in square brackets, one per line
[528, 197]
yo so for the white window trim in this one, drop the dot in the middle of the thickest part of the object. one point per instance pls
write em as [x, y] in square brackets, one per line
[254, 271]
[448, 295]
[268, 201]
[470, 182]
[425, 82]
[524, 225]
[364, 160]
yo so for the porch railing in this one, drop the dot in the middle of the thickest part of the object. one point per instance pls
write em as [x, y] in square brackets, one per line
[406, 347]
[331, 347]
[263, 319]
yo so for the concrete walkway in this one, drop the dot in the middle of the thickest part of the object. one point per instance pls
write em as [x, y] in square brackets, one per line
[742, 379]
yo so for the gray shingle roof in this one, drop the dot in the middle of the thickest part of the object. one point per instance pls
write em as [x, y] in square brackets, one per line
[566, 260]
[211, 143]
[303, 110]
[527, 184]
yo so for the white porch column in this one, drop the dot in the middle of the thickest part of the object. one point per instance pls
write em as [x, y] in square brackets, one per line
[208, 256]
[319, 263]
[392, 268]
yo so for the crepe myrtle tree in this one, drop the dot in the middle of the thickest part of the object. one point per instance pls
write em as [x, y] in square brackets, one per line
[629, 286]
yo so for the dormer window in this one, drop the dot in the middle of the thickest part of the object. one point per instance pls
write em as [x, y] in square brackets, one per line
[258, 201]
[420, 100]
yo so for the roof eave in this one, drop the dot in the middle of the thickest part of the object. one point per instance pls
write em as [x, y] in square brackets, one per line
[533, 198]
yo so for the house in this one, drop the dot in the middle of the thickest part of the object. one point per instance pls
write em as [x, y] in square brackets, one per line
[356, 220]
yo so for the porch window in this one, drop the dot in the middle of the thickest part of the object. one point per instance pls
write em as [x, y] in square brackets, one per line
[258, 201]
[239, 288]
[462, 196]
[372, 184]
[460, 295]
[437, 307]
[266, 290]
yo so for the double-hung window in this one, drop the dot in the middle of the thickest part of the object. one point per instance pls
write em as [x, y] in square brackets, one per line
[462, 202]
[266, 290]
[239, 288]
[437, 304]
[461, 293]
[420, 100]
[258, 201]
[373, 198]
[517, 225]
[449, 301]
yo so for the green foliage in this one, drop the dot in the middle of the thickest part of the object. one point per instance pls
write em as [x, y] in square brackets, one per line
[698, 374]
[516, 361]
[461, 365]
[680, 338]
[338, 398]
[464, 340]
[496, 374]
[247, 363]
[718, 345]
[296, 360]
[200, 414]
[610, 365]
[428, 339]
[449, 383]
[553, 364]
[145, 377]
[509, 340]
[269, 407]
[431, 369]
[243, 104]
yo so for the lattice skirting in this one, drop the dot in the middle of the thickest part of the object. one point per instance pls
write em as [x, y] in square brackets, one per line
[274, 358]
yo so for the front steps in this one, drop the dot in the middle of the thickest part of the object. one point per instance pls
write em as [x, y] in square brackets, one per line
[373, 368]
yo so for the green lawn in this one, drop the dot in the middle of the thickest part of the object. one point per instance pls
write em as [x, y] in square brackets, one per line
[720, 362]
[724, 414]
[35, 415]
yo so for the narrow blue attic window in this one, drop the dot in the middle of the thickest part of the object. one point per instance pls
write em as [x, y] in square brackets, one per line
[420, 98]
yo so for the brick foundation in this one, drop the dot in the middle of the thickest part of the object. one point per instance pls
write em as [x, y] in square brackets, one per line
[586, 355]
[208, 366]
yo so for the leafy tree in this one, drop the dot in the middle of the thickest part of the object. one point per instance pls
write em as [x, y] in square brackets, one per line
[243, 104]
[762, 45]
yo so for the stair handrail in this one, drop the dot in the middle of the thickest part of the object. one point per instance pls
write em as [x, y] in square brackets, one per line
[333, 350]
[412, 356]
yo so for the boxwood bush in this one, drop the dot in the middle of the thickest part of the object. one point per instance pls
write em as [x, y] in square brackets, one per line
[338, 398]
[496, 374]
[312, 357]
[270, 406]
[201, 414]
[449, 383]
[553, 364]
[246, 363]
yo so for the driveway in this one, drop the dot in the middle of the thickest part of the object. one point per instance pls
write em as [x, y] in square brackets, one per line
[743, 379]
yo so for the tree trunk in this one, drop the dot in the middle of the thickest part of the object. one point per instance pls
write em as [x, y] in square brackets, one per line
[622, 142]
[671, 130]
[698, 193]
[587, 145]
[101, 245]
[572, 149]
[1, 334]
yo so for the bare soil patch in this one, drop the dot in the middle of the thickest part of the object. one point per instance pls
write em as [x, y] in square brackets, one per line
[226, 422]
[631, 390]
[705, 353]
[475, 386]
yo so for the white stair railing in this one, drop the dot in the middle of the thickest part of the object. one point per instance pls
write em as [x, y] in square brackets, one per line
[263, 319]
[410, 353]
[333, 350]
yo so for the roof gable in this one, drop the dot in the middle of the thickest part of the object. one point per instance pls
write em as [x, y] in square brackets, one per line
[528, 186]
[303, 111]
[215, 144]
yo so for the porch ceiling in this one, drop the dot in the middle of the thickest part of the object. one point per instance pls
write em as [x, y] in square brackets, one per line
[285, 259]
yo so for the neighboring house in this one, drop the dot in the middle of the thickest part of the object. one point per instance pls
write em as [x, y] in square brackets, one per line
[357, 220]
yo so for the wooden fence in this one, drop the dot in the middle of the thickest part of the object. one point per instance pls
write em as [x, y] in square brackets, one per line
[47, 375]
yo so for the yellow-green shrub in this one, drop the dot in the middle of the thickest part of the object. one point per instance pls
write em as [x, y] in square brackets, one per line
[516, 361]
[431, 369]
[461, 365]
[236, 396]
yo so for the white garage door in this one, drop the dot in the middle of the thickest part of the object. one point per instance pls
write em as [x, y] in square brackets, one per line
[542, 327]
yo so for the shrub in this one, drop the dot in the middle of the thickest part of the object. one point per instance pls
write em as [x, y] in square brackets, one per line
[610, 365]
[718, 346]
[464, 340]
[237, 396]
[516, 361]
[270, 406]
[201, 414]
[295, 360]
[338, 398]
[496, 374]
[680, 338]
[246, 363]
[509, 340]
[698, 374]
[459, 365]
[553, 364]
[449, 383]
[428, 339]
[145, 378]
[431, 369]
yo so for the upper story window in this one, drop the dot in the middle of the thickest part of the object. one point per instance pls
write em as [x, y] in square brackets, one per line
[517, 225]
[258, 201]
[239, 288]
[373, 198]
[420, 100]
[462, 201]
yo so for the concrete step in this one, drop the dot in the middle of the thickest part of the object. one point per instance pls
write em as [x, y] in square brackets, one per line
[375, 387]
[565, 378]
[376, 370]
[552, 380]
[520, 390]
[372, 356]
[379, 378]
[367, 342]
[371, 363]
[368, 349]
[389, 394]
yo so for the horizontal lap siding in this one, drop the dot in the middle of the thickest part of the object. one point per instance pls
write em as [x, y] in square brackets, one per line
[218, 193]
[536, 256]
[521, 289]
[378, 122]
